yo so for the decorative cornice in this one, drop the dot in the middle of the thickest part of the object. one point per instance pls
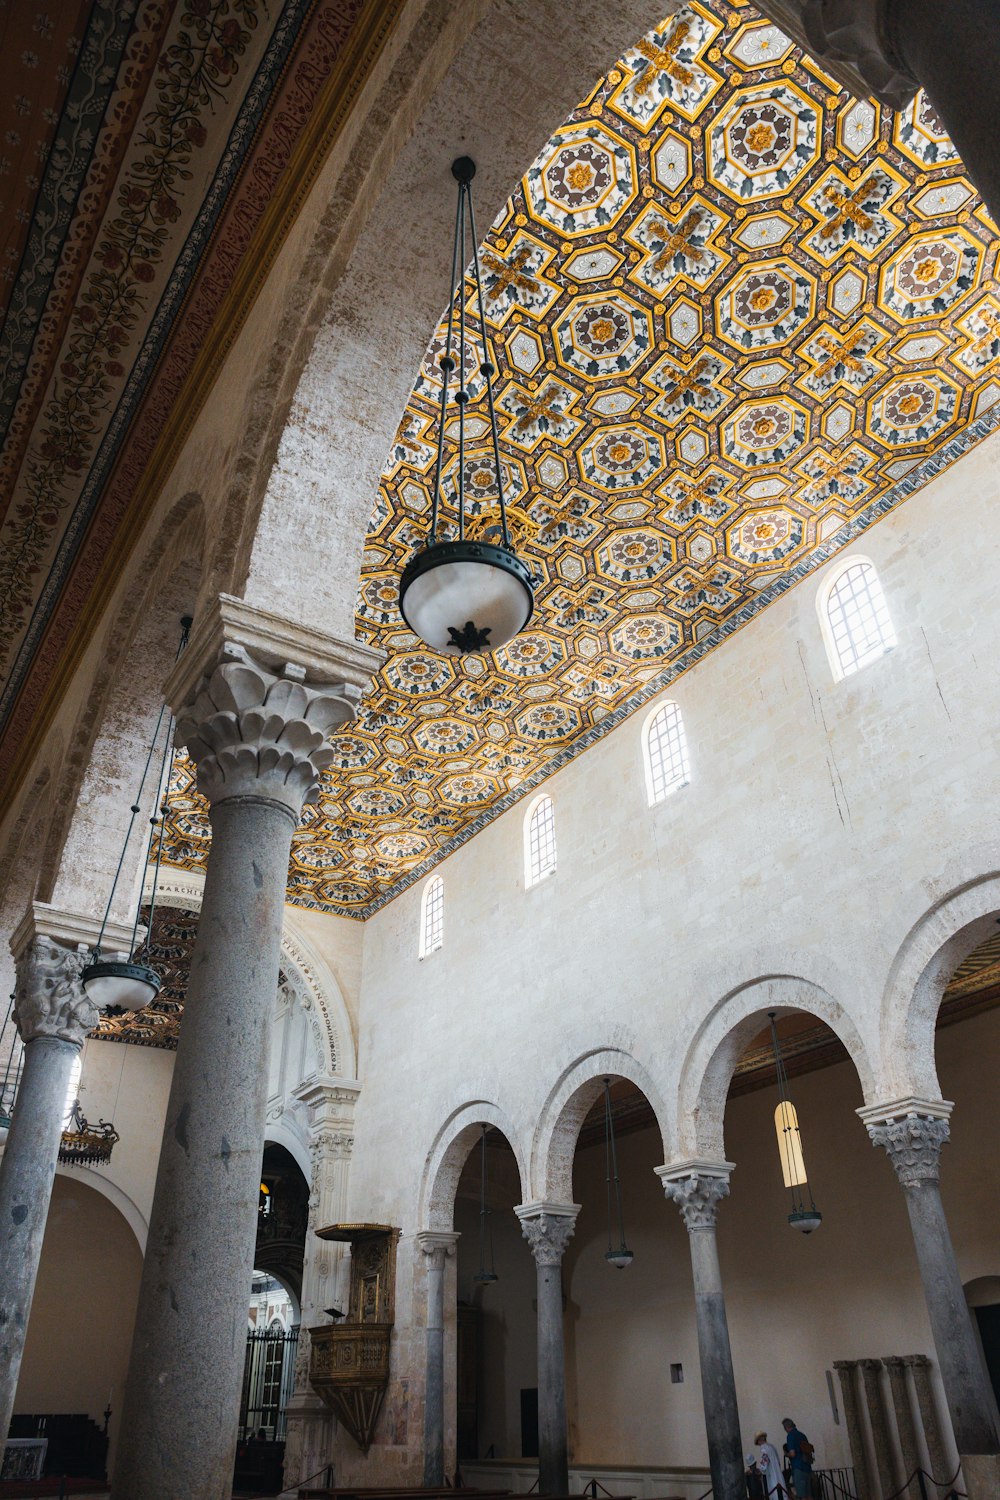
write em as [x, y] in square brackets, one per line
[548, 1228]
[898, 1109]
[49, 1000]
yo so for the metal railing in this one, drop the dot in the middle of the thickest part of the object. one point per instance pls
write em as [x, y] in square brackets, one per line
[268, 1383]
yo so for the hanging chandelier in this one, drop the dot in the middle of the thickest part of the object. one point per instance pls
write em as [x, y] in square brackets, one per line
[620, 1256]
[84, 1145]
[804, 1216]
[120, 983]
[486, 1274]
[461, 594]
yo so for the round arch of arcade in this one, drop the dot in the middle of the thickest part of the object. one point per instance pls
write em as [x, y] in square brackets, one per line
[450, 1151]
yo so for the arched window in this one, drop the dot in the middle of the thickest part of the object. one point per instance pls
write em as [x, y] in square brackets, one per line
[539, 841]
[665, 749]
[72, 1090]
[855, 618]
[432, 917]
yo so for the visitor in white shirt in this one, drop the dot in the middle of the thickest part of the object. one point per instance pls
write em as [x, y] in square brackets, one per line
[769, 1465]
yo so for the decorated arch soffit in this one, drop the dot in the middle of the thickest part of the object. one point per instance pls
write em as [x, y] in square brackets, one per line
[738, 316]
[147, 179]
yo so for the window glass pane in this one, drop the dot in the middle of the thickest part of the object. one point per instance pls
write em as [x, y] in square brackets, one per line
[666, 753]
[859, 619]
[541, 841]
[433, 932]
[72, 1089]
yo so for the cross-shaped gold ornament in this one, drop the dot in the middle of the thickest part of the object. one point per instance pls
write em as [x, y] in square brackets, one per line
[509, 273]
[846, 207]
[664, 59]
[679, 239]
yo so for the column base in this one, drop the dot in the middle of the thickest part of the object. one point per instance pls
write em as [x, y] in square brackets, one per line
[308, 1440]
[982, 1475]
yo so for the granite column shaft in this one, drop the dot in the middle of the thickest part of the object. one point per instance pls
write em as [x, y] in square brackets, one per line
[548, 1229]
[697, 1195]
[437, 1248]
[255, 723]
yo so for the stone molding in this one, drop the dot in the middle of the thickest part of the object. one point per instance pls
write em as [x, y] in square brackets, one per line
[437, 1245]
[913, 1145]
[852, 38]
[255, 697]
[49, 1000]
[70, 929]
[896, 1109]
[548, 1228]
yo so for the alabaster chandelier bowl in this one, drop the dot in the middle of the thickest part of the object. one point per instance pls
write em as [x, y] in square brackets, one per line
[460, 597]
[461, 594]
[116, 984]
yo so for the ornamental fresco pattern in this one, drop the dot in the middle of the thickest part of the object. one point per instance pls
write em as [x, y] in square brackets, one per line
[737, 316]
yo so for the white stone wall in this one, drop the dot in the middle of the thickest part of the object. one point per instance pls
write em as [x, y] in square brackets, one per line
[808, 864]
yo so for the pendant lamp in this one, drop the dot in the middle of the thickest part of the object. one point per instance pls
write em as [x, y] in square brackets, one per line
[804, 1216]
[620, 1256]
[462, 594]
[120, 983]
[486, 1274]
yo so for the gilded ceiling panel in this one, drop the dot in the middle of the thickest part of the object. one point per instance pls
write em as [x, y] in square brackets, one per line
[737, 315]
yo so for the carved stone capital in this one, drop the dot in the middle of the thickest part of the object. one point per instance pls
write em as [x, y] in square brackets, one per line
[255, 698]
[548, 1228]
[913, 1145]
[698, 1199]
[330, 1145]
[845, 1364]
[697, 1187]
[853, 39]
[49, 1000]
[437, 1245]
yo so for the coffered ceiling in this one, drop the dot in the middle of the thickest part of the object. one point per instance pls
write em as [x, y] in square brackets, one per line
[738, 316]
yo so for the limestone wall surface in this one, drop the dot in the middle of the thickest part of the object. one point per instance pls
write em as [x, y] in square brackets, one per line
[809, 863]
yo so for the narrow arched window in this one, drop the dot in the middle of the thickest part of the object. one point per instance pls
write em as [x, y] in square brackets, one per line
[432, 917]
[539, 841]
[72, 1090]
[855, 617]
[665, 749]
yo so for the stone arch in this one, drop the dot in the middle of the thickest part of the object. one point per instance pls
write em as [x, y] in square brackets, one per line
[722, 1038]
[376, 279]
[110, 736]
[942, 936]
[129, 1210]
[311, 979]
[566, 1108]
[449, 1153]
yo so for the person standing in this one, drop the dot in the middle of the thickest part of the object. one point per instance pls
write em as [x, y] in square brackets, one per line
[769, 1468]
[800, 1455]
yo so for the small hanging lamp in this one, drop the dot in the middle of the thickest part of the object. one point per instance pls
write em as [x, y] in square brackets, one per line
[486, 1274]
[84, 1145]
[621, 1256]
[803, 1217]
[117, 984]
[462, 594]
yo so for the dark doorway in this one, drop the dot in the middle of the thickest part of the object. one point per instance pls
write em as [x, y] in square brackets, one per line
[529, 1423]
[988, 1319]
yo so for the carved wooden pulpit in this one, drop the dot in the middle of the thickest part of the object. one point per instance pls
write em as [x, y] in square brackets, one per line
[349, 1361]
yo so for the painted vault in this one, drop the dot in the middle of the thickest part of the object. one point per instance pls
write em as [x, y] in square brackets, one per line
[738, 315]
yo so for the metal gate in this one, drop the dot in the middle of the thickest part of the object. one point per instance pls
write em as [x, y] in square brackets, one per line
[268, 1382]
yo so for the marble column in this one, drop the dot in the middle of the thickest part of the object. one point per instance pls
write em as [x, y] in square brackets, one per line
[912, 1132]
[53, 1015]
[846, 1369]
[436, 1247]
[310, 1423]
[871, 1373]
[548, 1228]
[697, 1187]
[889, 48]
[905, 1425]
[920, 1368]
[255, 698]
